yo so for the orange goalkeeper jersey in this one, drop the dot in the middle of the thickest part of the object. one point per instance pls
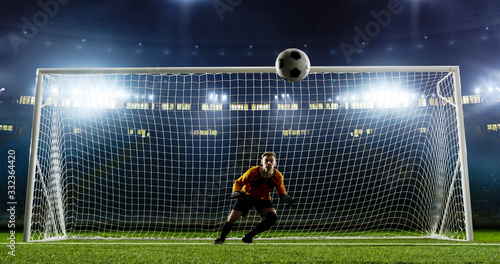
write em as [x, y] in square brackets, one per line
[253, 184]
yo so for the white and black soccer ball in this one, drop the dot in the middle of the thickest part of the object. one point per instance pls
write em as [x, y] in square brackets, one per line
[292, 65]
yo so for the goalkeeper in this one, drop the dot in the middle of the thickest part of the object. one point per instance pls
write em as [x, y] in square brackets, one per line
[253, 189]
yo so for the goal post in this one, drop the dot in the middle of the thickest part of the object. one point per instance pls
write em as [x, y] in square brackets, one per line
[152, 153]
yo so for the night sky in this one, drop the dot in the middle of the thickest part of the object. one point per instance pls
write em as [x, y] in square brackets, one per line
[166, 33]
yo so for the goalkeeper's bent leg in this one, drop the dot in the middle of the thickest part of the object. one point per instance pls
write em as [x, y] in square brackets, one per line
[269, 220]
[226, 229]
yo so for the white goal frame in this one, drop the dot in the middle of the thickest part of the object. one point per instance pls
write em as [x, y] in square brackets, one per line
[461, 165]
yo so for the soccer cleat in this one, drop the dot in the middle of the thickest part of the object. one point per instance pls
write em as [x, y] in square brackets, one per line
[219, 241]
[247, 239]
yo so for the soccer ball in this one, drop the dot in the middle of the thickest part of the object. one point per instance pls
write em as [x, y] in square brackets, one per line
[292, 65]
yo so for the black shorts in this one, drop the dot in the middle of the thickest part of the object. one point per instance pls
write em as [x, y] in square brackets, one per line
[244, 205]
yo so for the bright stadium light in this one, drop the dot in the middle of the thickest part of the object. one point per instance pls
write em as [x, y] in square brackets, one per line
[98, 98]
[122, 95]
[98, 95]
[216, 97]
[388, 98]
[54, 91]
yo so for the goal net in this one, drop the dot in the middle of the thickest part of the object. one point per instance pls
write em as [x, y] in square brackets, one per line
[152, 153]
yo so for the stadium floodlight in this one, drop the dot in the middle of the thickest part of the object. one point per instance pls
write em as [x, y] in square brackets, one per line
[165, 171]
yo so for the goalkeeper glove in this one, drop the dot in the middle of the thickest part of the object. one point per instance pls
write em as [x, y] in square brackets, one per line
[235, 195]
[287, 199]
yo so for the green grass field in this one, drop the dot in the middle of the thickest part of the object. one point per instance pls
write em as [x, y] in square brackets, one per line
[485, 249]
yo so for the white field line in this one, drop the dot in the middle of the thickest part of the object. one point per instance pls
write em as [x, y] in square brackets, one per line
[257, 244]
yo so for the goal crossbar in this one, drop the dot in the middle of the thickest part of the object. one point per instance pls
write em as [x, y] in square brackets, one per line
[189, 70]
